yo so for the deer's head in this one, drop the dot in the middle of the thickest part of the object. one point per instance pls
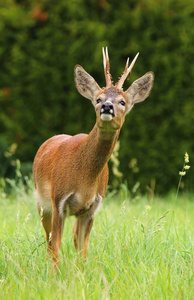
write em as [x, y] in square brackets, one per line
[111, 102]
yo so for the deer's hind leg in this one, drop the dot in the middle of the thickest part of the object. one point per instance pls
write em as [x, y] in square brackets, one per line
[83, 225]
[81, 232]
[75, 233]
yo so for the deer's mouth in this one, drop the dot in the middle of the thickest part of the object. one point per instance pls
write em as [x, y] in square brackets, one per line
[107, 114]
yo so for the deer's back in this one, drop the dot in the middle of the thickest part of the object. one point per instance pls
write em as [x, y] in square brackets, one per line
[48, 154]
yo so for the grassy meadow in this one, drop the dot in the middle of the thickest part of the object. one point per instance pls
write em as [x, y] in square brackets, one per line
[139, 248]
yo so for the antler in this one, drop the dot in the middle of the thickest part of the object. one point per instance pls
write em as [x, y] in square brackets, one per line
[107, 67]
[126, 72]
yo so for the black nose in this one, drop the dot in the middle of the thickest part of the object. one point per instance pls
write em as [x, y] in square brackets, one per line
[107, 108]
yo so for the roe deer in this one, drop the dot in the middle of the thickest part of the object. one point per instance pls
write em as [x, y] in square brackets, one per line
[71, 172]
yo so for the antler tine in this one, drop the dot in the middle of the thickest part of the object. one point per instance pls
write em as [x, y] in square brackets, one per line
[127, 64]
[106, 67]
[107, 59]
[104, 60]
[133, 62]
[126, 72]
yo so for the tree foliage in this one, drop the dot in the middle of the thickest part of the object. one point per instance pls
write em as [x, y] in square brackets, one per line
[40, 43]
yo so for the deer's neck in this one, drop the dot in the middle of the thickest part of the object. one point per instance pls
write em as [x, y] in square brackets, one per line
[98, 148]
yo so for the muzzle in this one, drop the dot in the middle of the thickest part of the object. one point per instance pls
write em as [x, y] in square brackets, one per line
[107, 112]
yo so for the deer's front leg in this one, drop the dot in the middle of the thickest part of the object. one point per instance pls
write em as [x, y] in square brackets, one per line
[56, 237]
[46, 219]
[81, 231]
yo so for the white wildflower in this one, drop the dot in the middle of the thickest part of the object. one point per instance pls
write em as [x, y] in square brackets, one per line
[186, 167]
[182, 173]
[186, 157]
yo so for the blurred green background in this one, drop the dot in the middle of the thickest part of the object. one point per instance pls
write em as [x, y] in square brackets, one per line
[40, 43]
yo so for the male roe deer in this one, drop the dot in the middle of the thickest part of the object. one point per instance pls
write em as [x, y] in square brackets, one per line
[71, 172]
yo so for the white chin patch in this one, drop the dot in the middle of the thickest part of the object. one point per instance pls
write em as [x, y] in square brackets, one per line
[106, 117]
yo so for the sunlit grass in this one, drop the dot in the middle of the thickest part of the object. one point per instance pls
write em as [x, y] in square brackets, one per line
[137, 250]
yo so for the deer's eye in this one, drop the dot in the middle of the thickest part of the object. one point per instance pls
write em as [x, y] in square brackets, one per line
[122, 103]
[98, 101]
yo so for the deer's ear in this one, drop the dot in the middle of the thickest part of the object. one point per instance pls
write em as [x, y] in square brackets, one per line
[140, 89]
[85, 83]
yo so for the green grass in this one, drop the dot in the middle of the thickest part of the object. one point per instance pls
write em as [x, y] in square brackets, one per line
[137, 250]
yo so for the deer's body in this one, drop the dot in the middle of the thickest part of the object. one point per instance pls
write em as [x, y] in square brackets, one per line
[71, 172]
[86, 181]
